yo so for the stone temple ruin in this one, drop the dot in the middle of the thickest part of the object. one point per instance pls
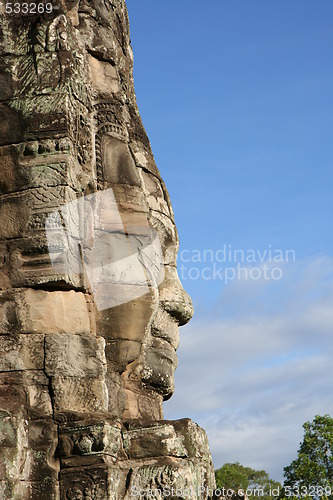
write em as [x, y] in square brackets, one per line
[90, 300]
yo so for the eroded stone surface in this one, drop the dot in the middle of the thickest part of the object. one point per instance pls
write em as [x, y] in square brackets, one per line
[21, 352]
[42, 312]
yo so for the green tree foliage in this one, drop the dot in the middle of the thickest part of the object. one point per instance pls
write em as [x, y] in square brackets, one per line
[236, 476]
[231, 476]
[313, 467]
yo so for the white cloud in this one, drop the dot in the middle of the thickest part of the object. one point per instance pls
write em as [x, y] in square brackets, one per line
[252, 375]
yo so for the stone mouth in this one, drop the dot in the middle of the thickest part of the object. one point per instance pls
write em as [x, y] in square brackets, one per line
[165, 351]
[166, 330]
[162, 336]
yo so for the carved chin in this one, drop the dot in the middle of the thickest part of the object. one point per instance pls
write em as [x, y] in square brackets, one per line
[158, 371]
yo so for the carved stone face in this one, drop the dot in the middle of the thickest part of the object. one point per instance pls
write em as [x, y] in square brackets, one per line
[85, 141]
[142, 331]
[90, 301]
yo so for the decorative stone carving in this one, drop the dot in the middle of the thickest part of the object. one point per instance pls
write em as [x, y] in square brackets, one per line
[90, 299]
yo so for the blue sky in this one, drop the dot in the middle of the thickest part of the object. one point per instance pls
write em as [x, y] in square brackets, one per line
[237, 100]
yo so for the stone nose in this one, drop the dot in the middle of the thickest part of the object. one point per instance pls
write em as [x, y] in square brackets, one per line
[174, 299]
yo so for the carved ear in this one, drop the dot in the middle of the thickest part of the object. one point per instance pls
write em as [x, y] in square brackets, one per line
[63, 245]
[117, 162]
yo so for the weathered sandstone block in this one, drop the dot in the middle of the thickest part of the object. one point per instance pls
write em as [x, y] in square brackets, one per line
[38, 311]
